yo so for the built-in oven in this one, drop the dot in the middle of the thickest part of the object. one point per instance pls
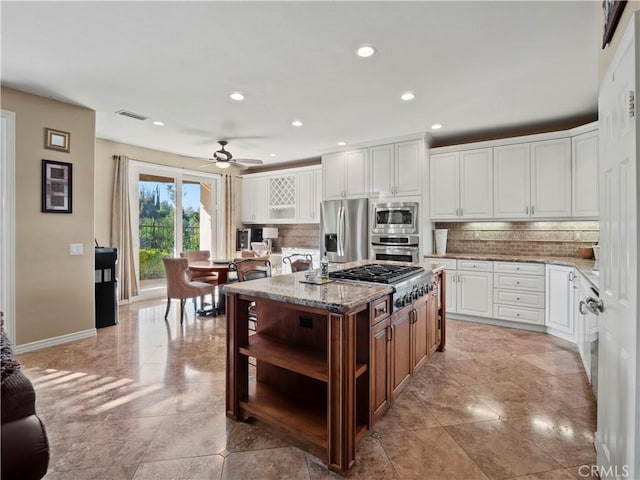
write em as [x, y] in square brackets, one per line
[395, 217]
[399, 248]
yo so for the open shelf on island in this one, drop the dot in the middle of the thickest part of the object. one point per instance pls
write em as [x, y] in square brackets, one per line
[303, 420]
[300, 360]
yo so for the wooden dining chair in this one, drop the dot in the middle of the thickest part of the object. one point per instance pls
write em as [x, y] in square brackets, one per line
[251, 269]
[302, 263]
[180, 286]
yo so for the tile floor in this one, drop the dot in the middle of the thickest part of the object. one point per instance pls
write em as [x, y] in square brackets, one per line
[145, 400]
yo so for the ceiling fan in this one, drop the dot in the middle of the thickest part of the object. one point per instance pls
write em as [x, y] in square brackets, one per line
[224, 159]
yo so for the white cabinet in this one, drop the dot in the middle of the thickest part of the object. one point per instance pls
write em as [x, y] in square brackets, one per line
[308, 196]
[533, 180]
[462, 184]
[551, 178]
[396, 169]
[559, 297]
[475, 293]
[584, 177]
[345, 174]
[287, 196]
[255, 195]
[519, 292]
[511, 181]
[586, 322]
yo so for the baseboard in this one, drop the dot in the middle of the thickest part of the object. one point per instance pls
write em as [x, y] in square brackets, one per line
[50, 342]
[497, 322]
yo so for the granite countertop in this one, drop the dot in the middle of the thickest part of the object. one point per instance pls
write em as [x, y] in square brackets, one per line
[336, 296]
[585, 267]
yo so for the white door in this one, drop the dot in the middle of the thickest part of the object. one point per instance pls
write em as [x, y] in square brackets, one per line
[357, 169]
[381, 162]
[445, 183]
[584, 176]
[248, 213]
[511, 197]
[475, 293]
[559, 300]
[551, 178]
[408, 170]
[476, 183]
[305, 197]
[333, 176]
[618, 428]
[261, 200]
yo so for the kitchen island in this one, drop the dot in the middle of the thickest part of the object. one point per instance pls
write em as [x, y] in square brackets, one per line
[329, 359]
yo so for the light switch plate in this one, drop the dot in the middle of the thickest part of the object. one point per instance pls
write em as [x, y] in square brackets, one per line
[76, 249]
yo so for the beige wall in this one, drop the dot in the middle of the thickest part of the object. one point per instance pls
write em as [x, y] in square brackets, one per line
[54, 291]
[607, 54]
[105, 170]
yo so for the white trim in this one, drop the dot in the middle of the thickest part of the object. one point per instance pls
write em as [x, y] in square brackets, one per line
[50, 342]
[375, 143]
[284, 171]
[8, 222]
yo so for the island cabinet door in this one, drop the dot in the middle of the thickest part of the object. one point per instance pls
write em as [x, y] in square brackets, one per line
[379, 369]
[419, 334]
[433, 334]
[401, 364]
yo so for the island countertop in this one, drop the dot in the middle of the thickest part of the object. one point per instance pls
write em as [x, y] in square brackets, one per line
[336, 296]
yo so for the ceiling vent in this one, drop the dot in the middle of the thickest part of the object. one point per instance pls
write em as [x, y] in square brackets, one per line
[137, 116]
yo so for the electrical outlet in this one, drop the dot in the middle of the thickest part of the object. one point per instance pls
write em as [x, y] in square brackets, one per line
[305, 322]
[76, 249]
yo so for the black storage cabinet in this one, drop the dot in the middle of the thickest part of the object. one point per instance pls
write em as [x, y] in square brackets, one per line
[106, 287]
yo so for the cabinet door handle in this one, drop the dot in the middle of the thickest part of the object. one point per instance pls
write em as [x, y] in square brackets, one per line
[390, 337]
[460, 212]
[526, 210]
[457, 210]
[572, 276]
[581, 307]
[532, 210]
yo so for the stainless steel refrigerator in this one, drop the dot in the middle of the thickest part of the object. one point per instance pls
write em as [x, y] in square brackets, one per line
[344, 229]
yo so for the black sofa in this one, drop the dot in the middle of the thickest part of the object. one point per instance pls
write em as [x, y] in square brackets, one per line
[25, 447]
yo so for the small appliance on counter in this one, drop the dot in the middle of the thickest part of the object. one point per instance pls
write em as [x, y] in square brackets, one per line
[441, 240]
[244, 237]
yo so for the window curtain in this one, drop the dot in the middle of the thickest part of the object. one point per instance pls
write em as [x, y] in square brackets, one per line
[231, 188]
[121, 232]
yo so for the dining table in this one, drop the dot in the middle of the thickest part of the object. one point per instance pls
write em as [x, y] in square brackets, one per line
[221, 268]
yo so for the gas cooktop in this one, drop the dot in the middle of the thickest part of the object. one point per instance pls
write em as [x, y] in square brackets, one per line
[377, 273]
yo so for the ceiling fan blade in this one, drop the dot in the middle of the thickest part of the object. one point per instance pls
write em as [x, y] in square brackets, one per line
[249, 161]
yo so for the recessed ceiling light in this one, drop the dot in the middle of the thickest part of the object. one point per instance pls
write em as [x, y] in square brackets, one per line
[296, 123]
[342, 144]
[408, 96]
[366, 51]
[158, 123]
[436, 126]
[273, 155]
[236, 96]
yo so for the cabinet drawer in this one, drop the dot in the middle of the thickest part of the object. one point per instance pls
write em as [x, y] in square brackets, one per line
[449, 263]
[519, 268]
[519, 314]
[379, 310]
[475, 265]
[518, 282]
[520, 299]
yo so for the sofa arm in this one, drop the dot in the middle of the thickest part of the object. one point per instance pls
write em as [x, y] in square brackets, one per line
[25, 449]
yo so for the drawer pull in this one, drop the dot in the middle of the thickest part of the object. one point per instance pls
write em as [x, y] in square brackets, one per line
[517, 268]
[517, 314]
[517, 283]
[517, 298]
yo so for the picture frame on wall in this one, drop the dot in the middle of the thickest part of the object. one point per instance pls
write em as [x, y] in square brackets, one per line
[612, 11]
[57, 140]
[56, 186]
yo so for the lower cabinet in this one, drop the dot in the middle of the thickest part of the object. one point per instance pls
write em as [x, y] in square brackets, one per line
[475, 293]
[400, 345]
[559, 294]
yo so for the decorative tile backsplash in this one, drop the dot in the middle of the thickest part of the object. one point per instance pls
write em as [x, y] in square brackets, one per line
[303, 235]
[560, 239]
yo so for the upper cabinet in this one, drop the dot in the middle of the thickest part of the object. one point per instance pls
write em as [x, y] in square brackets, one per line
[533, 180]
[551, 178]
[286, 196]
[584, 164]
[461, 184]
[396, 169]
[345, 174]
[541, 177]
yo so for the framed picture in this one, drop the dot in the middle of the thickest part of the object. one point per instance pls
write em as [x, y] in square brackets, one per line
[56, 187]
[612, 11]
[56, 140]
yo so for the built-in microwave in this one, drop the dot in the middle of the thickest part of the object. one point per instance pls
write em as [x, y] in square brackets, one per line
[395, 217]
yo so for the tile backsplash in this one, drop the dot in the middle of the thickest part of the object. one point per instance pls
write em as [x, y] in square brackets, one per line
[560, 239]
[302, 235]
